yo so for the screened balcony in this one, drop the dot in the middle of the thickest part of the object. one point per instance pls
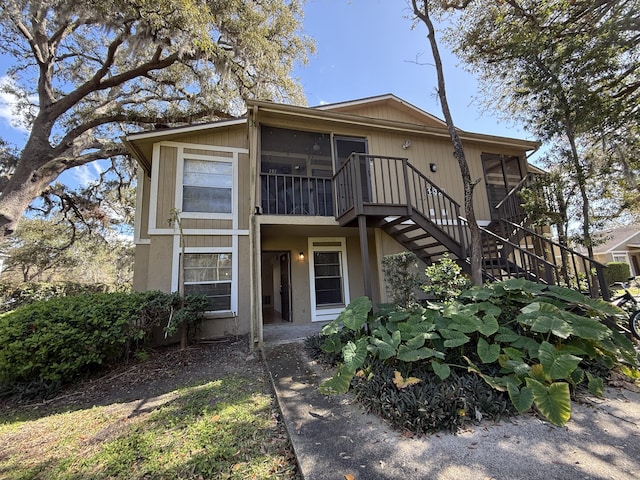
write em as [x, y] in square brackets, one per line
[295, 172]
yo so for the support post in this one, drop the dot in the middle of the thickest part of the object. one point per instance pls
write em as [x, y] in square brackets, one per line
[364, 252]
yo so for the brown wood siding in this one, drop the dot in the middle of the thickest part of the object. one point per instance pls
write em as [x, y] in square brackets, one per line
[235, 136]
[232, 137]
[143, 212]
[244, 191]
[205, 224]
[391, 112]
[166, 185]
[208, 241]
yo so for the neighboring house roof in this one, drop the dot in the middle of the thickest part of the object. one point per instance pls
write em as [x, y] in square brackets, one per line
[618, 239]
[385, 112]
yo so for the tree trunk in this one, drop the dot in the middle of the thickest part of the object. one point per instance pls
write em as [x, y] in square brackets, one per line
[582, 185]
[28, 181]
[475, 244]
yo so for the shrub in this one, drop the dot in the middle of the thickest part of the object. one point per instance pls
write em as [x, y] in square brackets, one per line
[56, 340]
[15, 296]
[616, 272]
[535, 344]
[400, 279]
[445, 279]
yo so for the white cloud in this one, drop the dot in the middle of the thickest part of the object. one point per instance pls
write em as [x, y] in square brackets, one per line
[85, 175]
[7, 107]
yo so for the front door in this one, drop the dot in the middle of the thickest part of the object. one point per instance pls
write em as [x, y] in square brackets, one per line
[285, 287]
[345, 146]
[501, 174]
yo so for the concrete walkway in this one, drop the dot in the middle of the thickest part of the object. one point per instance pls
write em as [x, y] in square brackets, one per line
[332, 437]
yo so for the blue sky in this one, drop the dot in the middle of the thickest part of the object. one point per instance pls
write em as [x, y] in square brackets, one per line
[364, 48]
[368, 47]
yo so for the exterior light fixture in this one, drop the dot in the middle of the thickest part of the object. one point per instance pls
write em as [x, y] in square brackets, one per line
[406, 144]
[301, 256]
[433, 167]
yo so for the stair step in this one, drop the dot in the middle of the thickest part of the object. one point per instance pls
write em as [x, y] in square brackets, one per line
[393, 223]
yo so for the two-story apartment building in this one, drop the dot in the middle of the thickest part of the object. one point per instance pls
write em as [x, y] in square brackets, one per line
[287, 212]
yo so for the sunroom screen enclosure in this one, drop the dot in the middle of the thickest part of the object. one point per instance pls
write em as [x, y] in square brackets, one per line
[295, 172]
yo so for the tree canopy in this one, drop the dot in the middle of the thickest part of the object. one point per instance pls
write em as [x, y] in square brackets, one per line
[88, 72]
[569, 71]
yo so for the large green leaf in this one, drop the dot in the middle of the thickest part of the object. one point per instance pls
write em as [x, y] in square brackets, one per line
[506, 335]
[489, 308]
[565, 294]
[332, 344]
[543, 317]
[489, 325]
[553, 402]
[487, 353]
[442, 370]
[331, 328]
[385, 345]
[585, 327]
[339, 383]
[406, 354]
[517, 366]
[522, 399]
[453, 338]
[596, 385]
[415, 342]
[556, 365]
[477, 293]
[465, 324]
[356, 313]
[558, 326]
[355, 354]
[398, 316]
[520, 284]
[602, 307]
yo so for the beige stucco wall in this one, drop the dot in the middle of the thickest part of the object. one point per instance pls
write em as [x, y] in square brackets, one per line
[293, 240]
[154, 257]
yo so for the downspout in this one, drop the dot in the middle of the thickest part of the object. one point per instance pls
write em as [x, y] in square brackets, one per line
[254, 233]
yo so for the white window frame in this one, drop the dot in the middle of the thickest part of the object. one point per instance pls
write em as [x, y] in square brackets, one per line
[621, 257]
[320, 313]
[180, 184]
[233, 251]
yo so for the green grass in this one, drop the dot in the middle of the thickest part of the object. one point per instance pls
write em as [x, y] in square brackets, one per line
[225, 429]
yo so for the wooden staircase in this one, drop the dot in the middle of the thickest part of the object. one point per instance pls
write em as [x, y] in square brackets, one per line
[389, 193]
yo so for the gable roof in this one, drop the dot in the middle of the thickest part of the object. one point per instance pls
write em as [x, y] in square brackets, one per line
[379, 107]
[617, 239]
[384, 112]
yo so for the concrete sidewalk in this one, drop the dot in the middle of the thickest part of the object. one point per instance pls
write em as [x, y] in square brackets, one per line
[333, 437]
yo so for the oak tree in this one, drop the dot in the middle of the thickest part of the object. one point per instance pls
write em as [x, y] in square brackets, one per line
[86, 72]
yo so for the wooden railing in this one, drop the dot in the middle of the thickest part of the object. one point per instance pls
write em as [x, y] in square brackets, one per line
[510, 207]
[378, 186]
[366, 184]
[572, 269]
[295, 195]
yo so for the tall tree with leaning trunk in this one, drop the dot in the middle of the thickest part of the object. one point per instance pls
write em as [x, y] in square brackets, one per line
[570, 70]
[422, 11]
[87, 72]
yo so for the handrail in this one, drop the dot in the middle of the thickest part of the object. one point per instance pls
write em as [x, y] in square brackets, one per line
[286, 194]
[515, 189]
[555, 244]
[597, 286]
[364, 181]
[375, 185]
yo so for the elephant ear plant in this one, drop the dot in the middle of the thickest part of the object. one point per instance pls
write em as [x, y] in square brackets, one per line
[533, 343]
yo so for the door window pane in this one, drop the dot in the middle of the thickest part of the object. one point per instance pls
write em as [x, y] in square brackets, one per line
[328, 278]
